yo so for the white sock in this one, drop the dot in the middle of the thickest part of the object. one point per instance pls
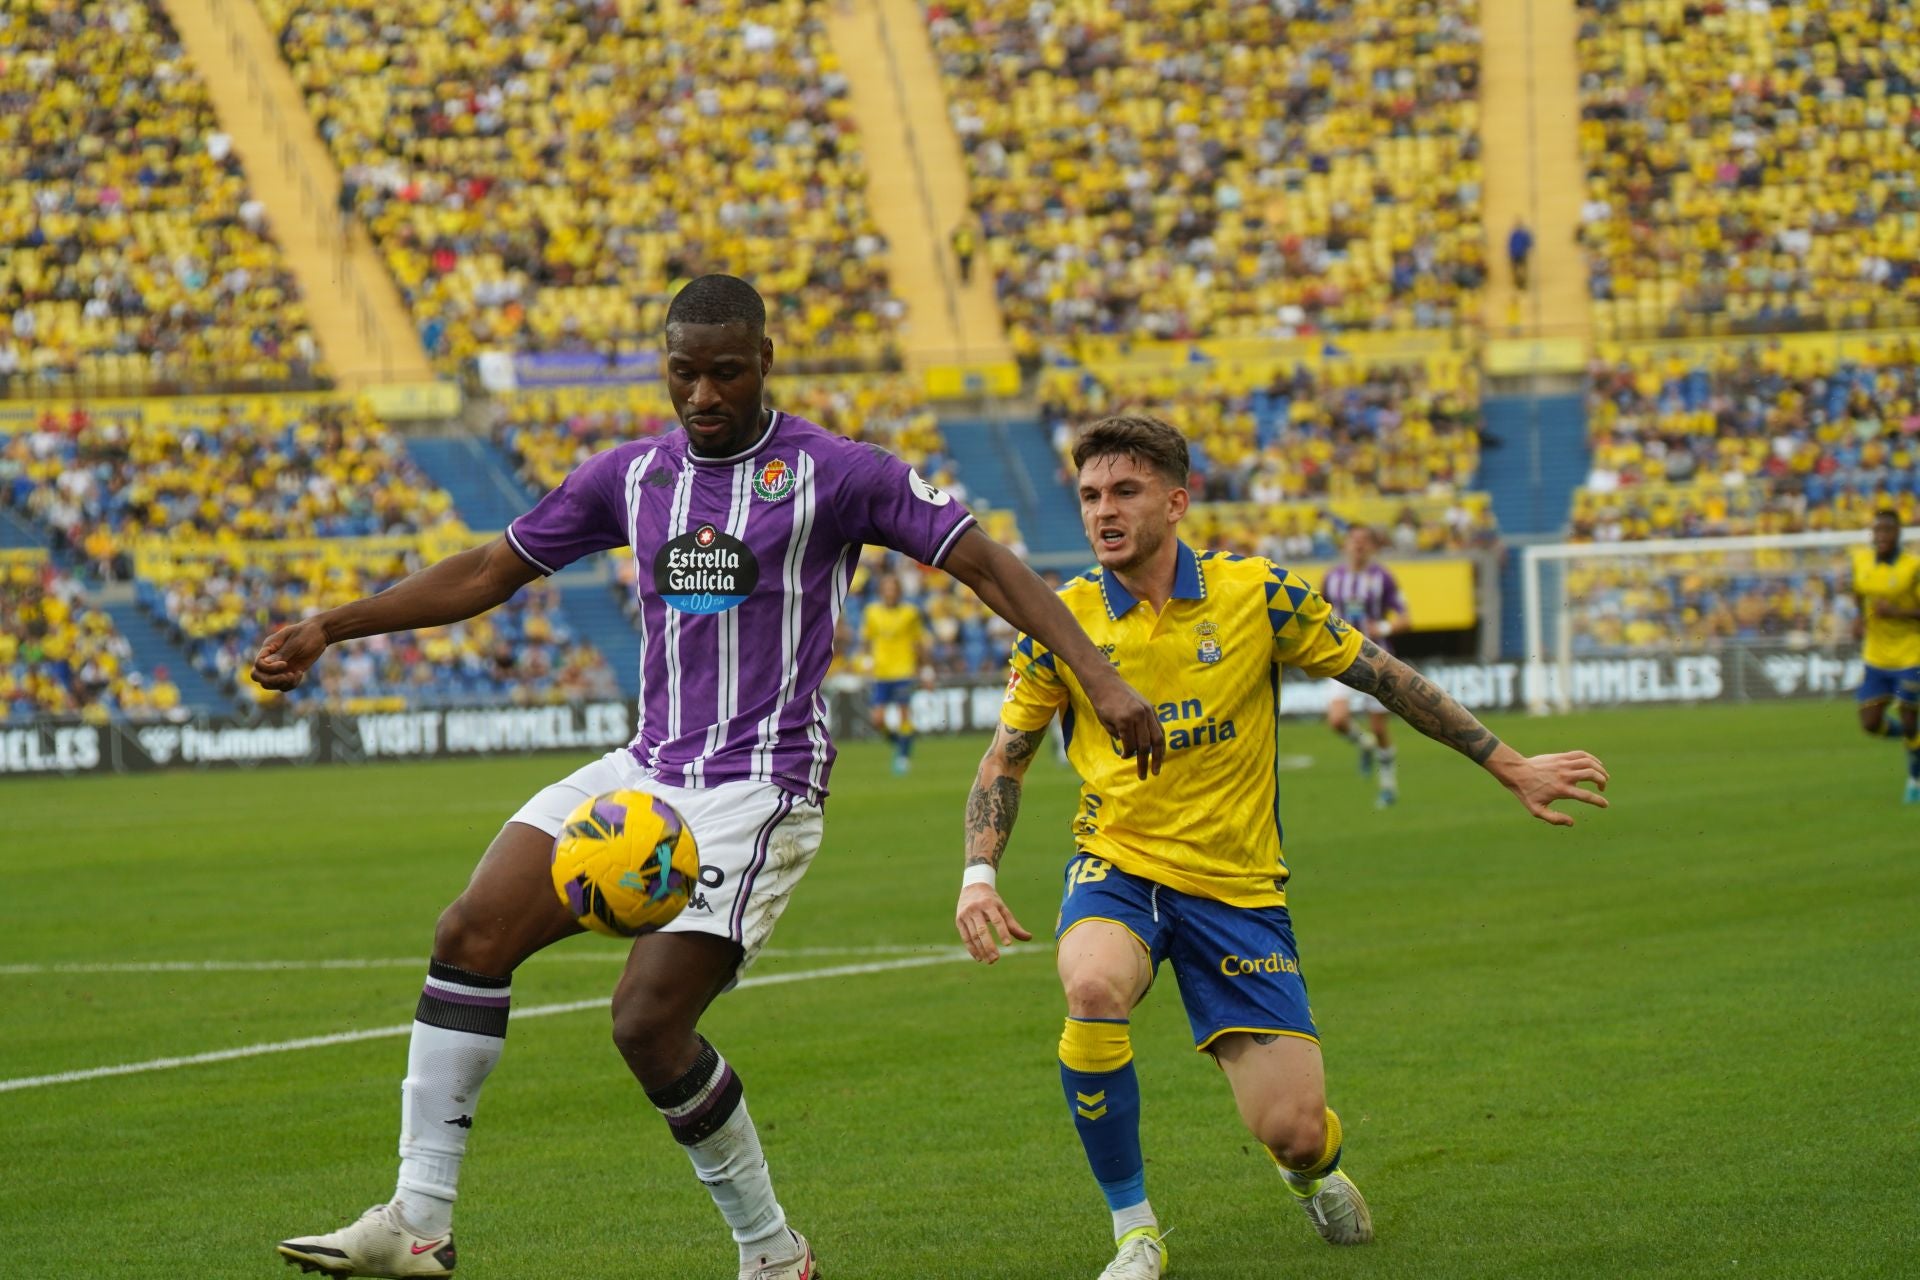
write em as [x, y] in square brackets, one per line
[459, 1030]
[1132, 1218]
[707, 1111]
[1384, 762]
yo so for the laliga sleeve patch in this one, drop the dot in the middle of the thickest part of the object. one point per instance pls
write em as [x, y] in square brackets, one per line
[705, 571]
[926, 492]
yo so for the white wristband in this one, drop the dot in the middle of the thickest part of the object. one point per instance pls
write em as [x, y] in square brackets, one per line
[980, 873]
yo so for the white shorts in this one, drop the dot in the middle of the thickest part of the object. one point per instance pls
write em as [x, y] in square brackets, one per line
[755, 843]
[1360, 703]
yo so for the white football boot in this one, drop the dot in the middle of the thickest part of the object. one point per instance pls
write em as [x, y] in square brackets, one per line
[799, 1267]
[1337, 1210]
[1141, 1256]
[379, 1244]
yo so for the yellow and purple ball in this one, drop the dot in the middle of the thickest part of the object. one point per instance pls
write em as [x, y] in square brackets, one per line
[625, 863]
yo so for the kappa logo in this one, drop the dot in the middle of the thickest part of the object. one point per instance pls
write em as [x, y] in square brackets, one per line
[656, 479]
[933, 497]
[773, 481]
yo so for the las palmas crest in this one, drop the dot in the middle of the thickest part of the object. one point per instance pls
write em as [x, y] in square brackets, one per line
[1209, 641]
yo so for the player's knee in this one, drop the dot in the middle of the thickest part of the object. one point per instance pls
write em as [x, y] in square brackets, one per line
[1092, 993]
[644, 1032]
[460, 937]
[1296, 1135]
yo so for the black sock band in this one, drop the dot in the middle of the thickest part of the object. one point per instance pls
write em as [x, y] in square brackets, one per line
[706, 1064]
[697, 1104]
[465, 977]
[456, 1000]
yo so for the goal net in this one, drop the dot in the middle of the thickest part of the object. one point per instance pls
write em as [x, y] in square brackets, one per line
[1689, 619]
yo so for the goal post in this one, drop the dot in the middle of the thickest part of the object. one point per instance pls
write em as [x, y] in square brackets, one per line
[1693, 610]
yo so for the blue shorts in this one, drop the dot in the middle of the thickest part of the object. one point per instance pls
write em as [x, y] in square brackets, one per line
[1880, 683]
[892, 693]
[1237, 967]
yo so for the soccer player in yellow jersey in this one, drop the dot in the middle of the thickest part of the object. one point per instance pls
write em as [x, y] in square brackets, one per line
[896, 639]
[1187, 866]
[1887, 581]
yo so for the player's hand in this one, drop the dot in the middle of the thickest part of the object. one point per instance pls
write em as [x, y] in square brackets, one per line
[985, 923]
[286, 655]
[1538, 781]
[1128, 719]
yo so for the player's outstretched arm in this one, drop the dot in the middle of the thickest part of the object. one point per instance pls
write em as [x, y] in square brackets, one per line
[453, 589]
[1536, 781]
[992, 806]
[1007, 586]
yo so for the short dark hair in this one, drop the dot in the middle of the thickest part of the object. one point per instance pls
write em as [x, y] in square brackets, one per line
[1148, 441]
[1886, 513]
[718, 300]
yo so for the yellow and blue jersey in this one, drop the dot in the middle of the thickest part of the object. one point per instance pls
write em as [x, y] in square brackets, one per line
[1209, 823]
[1892, 644]
[893, 634]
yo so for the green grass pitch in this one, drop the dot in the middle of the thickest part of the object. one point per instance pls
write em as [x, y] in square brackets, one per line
[1680, 1039]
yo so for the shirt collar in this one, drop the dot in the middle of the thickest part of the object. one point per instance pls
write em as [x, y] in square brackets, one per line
[1188, 584]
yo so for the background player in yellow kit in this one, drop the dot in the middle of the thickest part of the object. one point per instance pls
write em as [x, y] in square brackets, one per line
[1187, 866]
[1887, 581]
[895, 635]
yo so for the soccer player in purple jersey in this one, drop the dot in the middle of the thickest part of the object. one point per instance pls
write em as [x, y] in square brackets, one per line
[1364, 592]
[746, 525]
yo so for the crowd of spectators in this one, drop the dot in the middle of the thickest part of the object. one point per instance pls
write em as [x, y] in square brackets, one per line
[1165, 169]
[1755, 439]
[101, 481]
[1289, 463]
[220, 607]
[550, 432]
[540, 173]
[134, 254]
[1751, 164]
[1709, 602]
[60, 656]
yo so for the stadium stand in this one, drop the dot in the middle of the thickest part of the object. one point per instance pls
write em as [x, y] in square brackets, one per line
[1618, 608]
[1750, 167]
[61, 656]
[135, 257]
[1170, 169]
[539, 176]
[549, 432]
[220, 605]
[101, 480]
[1282, 464]
[1750, 439]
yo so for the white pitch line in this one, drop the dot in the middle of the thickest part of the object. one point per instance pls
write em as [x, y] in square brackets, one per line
[408, 962]
[401, 1029]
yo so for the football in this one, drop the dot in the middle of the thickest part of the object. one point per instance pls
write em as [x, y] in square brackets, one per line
[625, 863]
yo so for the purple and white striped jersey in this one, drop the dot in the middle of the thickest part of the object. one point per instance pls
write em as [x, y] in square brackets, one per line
[1364, 597]
[742, 568]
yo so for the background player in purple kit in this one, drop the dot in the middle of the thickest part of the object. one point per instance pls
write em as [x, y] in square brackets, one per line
[1365, 593]
[746, 525]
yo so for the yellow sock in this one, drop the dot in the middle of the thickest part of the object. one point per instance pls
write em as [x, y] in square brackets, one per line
[1306, 1182]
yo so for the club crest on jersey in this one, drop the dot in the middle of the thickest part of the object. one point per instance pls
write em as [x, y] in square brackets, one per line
[773, 481]
[1209, 650]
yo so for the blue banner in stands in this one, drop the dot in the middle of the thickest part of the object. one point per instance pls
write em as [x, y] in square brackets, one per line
[585, 368]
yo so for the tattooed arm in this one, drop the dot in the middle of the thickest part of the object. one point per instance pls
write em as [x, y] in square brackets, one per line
[992, 806]
[1536, 781]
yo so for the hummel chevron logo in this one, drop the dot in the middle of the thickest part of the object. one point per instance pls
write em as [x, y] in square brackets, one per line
[1092, 1105]
[465, 1122]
